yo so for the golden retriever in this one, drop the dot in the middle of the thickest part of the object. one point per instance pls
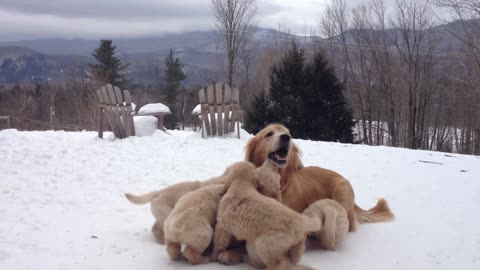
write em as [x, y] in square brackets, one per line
[274, 232]
[163, 201]
[302, 186]
[334, 222]
[191, 223]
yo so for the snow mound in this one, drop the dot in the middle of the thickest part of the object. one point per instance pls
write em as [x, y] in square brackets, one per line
[154, 108]
[145, 125]
[197, 110]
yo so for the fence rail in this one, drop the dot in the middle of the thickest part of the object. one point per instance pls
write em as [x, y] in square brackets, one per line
[49, 125]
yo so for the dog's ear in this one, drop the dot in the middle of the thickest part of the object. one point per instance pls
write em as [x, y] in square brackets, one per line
[250, 150]
[294, 162]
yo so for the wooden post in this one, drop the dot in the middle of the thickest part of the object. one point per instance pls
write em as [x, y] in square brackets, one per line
[100, 122]
[52, 114]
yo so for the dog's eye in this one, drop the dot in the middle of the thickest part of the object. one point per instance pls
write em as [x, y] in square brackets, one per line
[269, 134]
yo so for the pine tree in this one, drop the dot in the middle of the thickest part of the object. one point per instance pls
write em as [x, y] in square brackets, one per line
[287, 83]
[173, 77]
[260, 113]
[306, 97]
[327, 113]
[109, 68]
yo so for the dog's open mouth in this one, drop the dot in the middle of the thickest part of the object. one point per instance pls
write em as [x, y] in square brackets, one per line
[279, 156]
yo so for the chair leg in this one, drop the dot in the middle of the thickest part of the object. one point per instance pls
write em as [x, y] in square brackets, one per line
[238, 129]
[100, 123]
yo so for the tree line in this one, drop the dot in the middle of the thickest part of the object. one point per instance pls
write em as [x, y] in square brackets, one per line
[379, 63]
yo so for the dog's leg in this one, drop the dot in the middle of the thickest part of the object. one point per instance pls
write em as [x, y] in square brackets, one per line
[251, 257]
[296, 252]
[327, 236]
[344, 195]
[194, 256]
[281, 264]
[174, 250]
[160, 212]
[157, 230]
[231, 256]
[221, 240]
[197, 245]
[271, 249]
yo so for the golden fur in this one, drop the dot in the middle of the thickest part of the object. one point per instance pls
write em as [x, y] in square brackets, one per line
[163, 201]
[275, 233]
[334, 222]
[191, 223]
[302, 186]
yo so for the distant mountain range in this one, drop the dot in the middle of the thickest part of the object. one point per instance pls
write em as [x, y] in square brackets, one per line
[40, 59]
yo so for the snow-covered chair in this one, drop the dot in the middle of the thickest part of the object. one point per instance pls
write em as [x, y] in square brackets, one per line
[116, 106]
[218, 110]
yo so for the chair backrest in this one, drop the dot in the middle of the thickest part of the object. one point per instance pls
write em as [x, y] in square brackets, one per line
[220, 108]
[117, 105]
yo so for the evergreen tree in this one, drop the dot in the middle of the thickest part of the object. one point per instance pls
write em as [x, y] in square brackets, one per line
[306, 97]
[326, 111]
[260, 113]
[109, 68]
[173, 77]
[287, 83]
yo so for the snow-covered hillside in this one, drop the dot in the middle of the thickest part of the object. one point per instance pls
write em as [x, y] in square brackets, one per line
[62, 203]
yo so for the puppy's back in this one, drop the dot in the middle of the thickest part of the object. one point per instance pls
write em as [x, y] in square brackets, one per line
[195, 209]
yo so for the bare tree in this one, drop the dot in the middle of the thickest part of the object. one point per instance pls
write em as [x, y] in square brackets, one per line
[412, 21]
[468, 14]
[235, 22]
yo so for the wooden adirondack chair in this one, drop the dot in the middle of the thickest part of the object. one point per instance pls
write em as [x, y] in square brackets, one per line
[116, 105]
[220, 109]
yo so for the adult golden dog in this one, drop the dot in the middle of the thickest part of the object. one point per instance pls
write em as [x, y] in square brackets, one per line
[302, 186]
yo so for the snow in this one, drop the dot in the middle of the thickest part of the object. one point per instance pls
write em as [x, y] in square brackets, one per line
[145, 125]
[197, 110]
[62, 204]
[154, 108]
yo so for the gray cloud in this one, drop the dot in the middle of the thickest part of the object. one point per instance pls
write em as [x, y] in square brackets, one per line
[110, 9]
[28, 19]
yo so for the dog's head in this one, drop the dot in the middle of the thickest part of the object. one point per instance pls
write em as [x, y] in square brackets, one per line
[274, 143]
[242, 171]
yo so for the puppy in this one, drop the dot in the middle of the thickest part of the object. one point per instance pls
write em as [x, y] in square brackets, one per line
[163, 201]
[273, 231]
[191, 223]
[334, 222]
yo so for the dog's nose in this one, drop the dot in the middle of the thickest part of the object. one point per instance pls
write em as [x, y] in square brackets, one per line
[284, 138]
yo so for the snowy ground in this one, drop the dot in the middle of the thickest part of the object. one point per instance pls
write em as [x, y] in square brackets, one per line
[62, 204]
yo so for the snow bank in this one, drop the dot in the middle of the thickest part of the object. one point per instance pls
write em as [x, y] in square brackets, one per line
[62, 203]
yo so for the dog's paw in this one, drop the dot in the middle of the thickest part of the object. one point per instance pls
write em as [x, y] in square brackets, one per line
[230, 257]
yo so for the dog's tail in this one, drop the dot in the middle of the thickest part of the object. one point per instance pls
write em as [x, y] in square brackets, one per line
[142, 199]
[379, 213]
[311, 223]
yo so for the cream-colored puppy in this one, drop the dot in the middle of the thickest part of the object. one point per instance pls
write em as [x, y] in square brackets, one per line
[334, 222]
[273, 231]
[191, 223]
[163, 201]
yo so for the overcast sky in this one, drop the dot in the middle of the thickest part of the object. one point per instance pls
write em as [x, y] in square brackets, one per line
[28, 19]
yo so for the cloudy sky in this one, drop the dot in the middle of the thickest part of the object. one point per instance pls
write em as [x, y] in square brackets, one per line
[28, 19]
